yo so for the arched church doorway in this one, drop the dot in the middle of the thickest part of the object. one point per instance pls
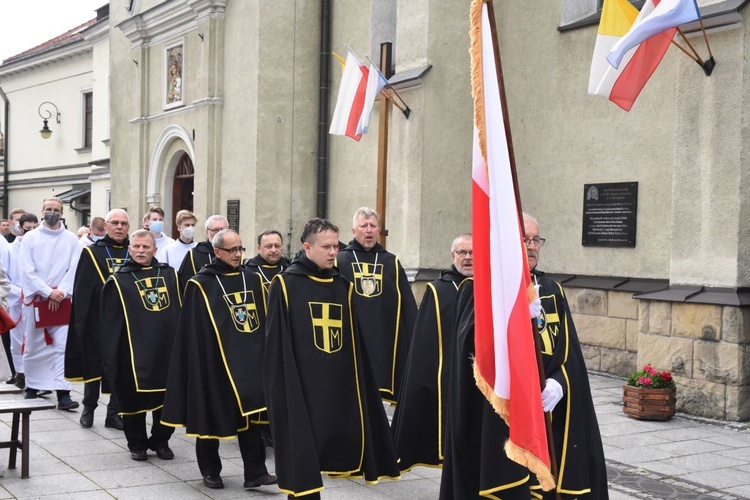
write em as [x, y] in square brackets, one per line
[182, 189]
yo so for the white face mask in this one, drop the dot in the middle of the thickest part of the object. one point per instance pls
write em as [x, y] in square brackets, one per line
[188, 233]
[95, 238]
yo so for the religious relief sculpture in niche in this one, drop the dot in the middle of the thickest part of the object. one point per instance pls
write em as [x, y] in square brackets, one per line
[174, 68]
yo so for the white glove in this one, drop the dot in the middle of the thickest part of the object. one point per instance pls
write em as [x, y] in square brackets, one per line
[535, 307]
[551, 395]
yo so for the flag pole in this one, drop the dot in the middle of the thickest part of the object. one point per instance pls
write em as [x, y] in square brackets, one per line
[691, 56]
[383, 116]
[405, 109]
[709, 65]
[512, 161]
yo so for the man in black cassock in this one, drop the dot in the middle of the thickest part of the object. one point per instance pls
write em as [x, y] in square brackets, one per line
[215, 386]
[383, 298]
[202, 253]
[141, 302]
[325, 412]
[270, 260]
[475, 464]
[419, 419]
[567, 395]
[83, 355]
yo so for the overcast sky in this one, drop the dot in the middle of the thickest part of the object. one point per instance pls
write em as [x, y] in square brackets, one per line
[27, 23]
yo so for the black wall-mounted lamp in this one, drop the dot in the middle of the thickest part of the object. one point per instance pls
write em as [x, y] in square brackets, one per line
[46, 114]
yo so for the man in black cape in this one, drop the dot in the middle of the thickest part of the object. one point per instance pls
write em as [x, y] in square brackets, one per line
[567, 395]
[142, 303]
[215, 386]
[419, 418]
[83, 355]
[270, 260]
[475, 465]
[202, 253]
[383, 298]
[325, 412]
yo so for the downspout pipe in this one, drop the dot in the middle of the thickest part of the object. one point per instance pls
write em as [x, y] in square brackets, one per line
[323, 96]
[6, 139]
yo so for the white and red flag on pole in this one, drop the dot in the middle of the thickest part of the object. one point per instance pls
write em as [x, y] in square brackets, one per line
[505, 368]
[351, 99]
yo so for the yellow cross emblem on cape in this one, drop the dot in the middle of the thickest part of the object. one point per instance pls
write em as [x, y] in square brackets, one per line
[549, 327]
[327, 326]
[368, 278]
[154, 293]
[114, 263]
[243, 310]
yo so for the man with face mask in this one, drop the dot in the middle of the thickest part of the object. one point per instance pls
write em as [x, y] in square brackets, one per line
[156, 226]
[47, 264]
[203, 252]
[15, 228]
[83, 361]
[9, 262]
[419, 419]
[383, 298]
[96, 232]
[174, 253]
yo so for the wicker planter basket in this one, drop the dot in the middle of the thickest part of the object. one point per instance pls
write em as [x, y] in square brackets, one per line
[648, 404]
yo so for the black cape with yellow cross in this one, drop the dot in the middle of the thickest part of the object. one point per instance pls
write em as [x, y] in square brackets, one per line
[475, 464]
[325, 411]
[83, 358]
[197, 257]
[419, 419]
[141, 305]
[387, 310]
[578, 444]
[215, 386]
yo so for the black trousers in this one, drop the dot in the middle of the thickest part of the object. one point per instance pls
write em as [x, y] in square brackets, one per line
[134, 427]
[251, 447]
[91, 398]
[6, 346]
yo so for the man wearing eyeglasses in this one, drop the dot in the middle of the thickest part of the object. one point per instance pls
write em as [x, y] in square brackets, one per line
[567, 395]
[215, 387]
[202, 253]
[83, 358]
[140, 303]
[419, 419]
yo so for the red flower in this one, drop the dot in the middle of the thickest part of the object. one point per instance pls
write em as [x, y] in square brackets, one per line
[650, 370]
[665, 376]
[645, 381]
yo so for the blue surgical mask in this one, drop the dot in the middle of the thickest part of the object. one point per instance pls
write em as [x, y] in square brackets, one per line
[157, 226]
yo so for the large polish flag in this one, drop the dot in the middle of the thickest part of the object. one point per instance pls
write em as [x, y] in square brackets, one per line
[623, 85]
[666, 15]
[351, 98]
[505, 366]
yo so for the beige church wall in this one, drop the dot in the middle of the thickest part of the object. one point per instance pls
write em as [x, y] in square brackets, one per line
[564, 139]
[287, 135]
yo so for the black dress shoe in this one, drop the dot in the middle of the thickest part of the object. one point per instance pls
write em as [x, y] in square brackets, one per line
[139, 455]
[213, 482]
[11, 380]
[66, 403]
[87, 418]
[20, 380]
[114, 422]
[165, 453]
[30, 394]
[264, 480]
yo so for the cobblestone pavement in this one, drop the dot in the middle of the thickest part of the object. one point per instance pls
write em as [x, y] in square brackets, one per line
[685, 458]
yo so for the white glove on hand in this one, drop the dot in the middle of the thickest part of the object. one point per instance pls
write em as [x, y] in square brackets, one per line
[535, 307]
[551, 395]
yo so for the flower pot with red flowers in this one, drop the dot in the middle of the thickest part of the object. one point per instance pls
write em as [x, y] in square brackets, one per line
[649, 395]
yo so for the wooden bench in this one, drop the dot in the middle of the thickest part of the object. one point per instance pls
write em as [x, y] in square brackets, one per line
[21, 408]
[9, 389]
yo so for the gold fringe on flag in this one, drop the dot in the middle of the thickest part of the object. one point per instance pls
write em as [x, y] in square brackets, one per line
[500, 405]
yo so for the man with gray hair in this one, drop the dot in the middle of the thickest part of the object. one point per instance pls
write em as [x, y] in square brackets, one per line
[202, 253]
[419, 419]
[383, 299]
[83, 357]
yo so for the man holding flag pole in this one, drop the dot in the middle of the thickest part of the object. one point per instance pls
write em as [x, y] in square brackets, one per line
[507, 369]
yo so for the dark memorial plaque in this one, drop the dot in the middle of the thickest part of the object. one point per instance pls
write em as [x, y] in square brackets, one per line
[233, 214]
[609, 214]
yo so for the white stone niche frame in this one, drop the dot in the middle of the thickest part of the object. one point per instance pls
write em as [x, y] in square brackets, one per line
[157, 169]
